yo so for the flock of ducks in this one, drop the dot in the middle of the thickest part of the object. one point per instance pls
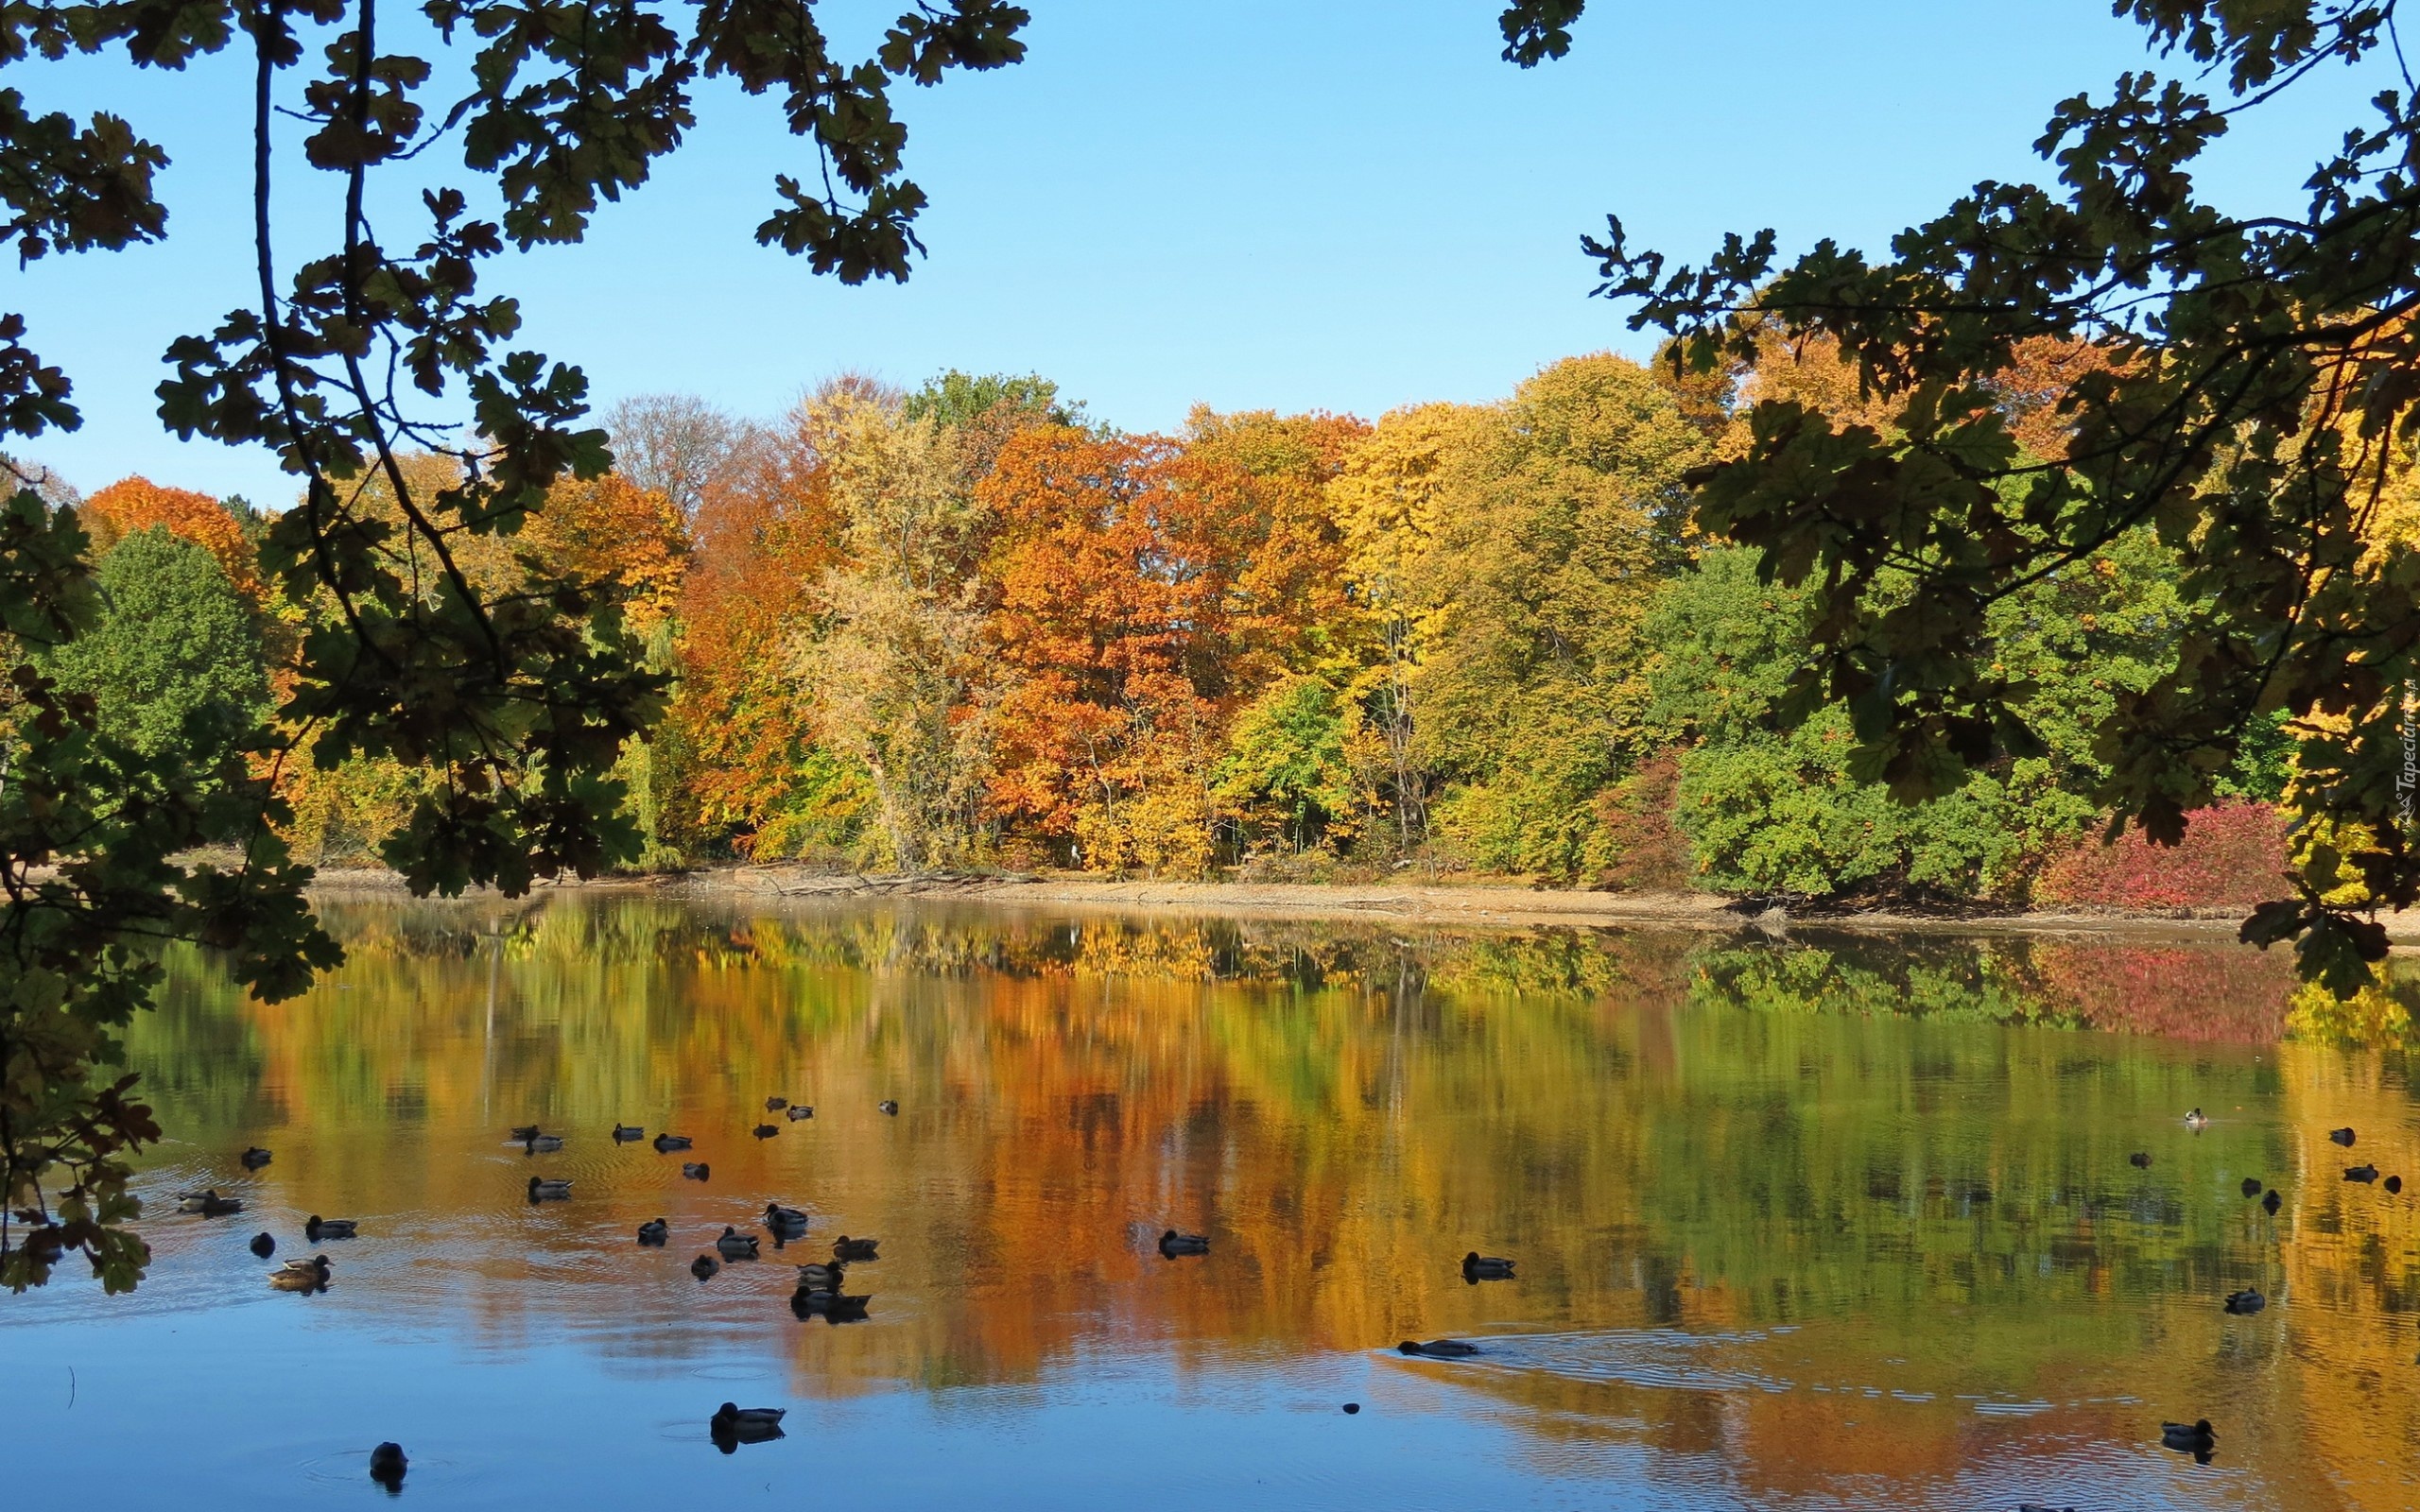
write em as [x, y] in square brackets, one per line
[820, 1293]
[2198, 1439]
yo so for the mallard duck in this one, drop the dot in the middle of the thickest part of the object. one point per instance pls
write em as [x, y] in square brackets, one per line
[2360, 1172]
[316, 1227]
[2246, 1301]
[1439, 1348]
[774, 1105]
[777, 1217]
[703, 1266]
[255, 1158]
[2196, 1120]
[2251, 1186]
[2192, 1439]
[846, 1310]
[2394, 1185]
[1173, 1243]
[300, 1275]
[819, 1278]
[388, 1464]
[543, 1189]
[888, 1106]
[797, 1112]
[655, 1231]
[696, 1170]
[736, 1245]
[264, 1245]
[2271, 1203]
[665, 1144]
[1478, 1267]
[829, 1305]
[733, 1425]
[765, 1131]
[624, 1133]
[524, 1133]
[208, 1203]
[2140, 1160]
[2342, 1136]
[543, 1143]
[845, 1247]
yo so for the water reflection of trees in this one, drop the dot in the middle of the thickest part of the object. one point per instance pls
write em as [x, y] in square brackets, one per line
[1704, 1133]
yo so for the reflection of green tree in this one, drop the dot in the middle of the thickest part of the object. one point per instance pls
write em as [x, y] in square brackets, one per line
[1985, 983]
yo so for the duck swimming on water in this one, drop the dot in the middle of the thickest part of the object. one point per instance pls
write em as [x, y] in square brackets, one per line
[317, 1228]
[696, 1170]
[845, 1247]
[541, 1189]
[774, 1105]
[208, 1203]
[765, 1131]
[1478, 1267]
[263, 1245]
[889, 1106]
[300, 1275]
[2140, 1160]
[2342, 1136]
[624, 1133]
[777, 1217]
[666, 1144]
[2246, 1301]
[1173, 1243]
[2251, 1186]
[255, 1158]
[703, 1266]
[736, 1245]
[2196, 1120]
[2271, 1203]
[2361, 1173]
[655, 1231]
[799, 1111]
[1439, 1348]
[2194, 1438]
[543, 1143]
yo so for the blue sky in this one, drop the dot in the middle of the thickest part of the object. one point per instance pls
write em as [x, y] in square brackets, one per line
[1337, 204]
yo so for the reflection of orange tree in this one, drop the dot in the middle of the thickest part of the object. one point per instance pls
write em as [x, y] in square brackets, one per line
[1345, 1109]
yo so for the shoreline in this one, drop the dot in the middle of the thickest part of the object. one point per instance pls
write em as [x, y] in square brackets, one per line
[1477, 905]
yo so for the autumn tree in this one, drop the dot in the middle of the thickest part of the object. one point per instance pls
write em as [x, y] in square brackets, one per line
[896, 660]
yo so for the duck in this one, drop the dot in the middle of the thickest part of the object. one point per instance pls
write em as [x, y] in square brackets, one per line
[819, 1278]
[774, 1105]
[524, 1133]
[845, 1247]
[2394, 1185]
[696, 1170]
[777, 1217]
[655, 1231]
[666, 1144]
[888, 1106]
[255, 1158]
[1478, 1267]
[208, 1203]
[830, 1306]
[2271, 1203]
[2246, 1301]
[1439, 1348]
[541, 1189]
[624, 1133]
[2360, 1172]
[316, 1227]
[263, 1245]
[703, 1266]
[765, 1131]
[2342, 1136]
[300, 1275]
[2140, 1160]
[388, 1464]
[2196, 1120]
[736, 1245]
[1173, 1243]
[2190, 1438]
[798, 1110]
[543, 1143]
[745, 1425]
[2251, 1186]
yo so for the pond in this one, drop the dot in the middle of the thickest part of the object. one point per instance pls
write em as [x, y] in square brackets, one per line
[1796, 1222]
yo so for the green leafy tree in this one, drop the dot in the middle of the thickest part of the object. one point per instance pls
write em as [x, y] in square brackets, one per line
[175, 664]
[1288, 771]
[516, 700]
[2256, 408]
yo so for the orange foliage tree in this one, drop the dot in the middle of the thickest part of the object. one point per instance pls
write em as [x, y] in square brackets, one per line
[1117, 565]
[136, 504]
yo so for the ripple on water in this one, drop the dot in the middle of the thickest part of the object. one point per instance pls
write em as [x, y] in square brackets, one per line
[1639, 1357]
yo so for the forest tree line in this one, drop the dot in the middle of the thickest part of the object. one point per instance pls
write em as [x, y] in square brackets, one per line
[966, 626]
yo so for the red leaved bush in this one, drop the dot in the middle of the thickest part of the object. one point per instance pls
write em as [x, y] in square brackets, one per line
[2232, 856]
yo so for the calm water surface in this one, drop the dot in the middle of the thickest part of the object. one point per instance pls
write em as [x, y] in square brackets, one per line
[1799, 1224]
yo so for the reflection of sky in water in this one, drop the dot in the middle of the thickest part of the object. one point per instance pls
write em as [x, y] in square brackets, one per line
[1777, 1246]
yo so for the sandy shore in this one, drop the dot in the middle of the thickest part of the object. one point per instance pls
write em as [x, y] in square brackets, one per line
[1482, 906]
